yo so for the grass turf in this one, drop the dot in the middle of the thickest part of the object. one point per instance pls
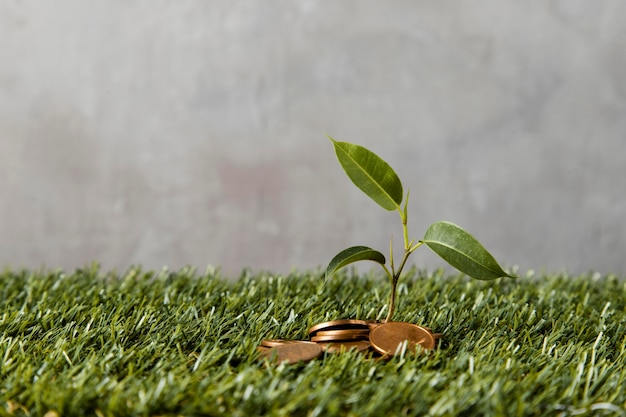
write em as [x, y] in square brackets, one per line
[179, 343]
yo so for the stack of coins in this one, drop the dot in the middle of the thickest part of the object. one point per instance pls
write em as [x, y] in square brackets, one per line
[367, 336]
[342, 335]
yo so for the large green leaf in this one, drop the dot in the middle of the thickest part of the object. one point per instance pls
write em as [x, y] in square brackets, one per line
[370, 173]
[353, 254]
[461, 250]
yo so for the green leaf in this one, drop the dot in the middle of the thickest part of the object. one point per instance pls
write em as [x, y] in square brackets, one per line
[353, 254]
[461, 250]
[370, 173]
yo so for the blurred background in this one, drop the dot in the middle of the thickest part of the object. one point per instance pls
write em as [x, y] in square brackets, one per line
[167, 133]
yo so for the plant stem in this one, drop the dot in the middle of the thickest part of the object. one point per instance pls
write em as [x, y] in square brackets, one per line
[405, 230]
[394, 275]
[392, 299]
[394, 283]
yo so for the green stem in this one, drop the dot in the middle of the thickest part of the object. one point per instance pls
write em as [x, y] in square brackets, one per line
[394, 275]
[392, 299]
[405, 230]
[389, 274]
[404, 259]
[417, 245]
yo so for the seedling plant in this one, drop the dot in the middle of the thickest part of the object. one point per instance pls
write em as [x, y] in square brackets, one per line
[378, 180]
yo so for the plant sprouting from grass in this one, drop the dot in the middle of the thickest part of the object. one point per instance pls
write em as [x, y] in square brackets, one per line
[379, 181]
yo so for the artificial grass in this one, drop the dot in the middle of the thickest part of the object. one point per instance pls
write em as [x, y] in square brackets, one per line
[180, 343]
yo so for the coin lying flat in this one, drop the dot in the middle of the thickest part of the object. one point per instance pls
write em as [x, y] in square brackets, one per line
[297, 351]
[343, 324]
[386, 338]
[270, 343]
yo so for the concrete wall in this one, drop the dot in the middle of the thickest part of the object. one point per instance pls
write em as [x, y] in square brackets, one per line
[192, 132]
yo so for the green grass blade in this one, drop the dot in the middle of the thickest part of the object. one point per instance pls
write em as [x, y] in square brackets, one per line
[351, 255]
[463, 251]
[370, 173]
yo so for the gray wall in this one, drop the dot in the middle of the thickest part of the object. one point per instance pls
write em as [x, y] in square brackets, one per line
[192, 132]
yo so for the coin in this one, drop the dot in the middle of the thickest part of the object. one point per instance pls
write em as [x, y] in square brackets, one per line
[342, 324]
[340, 335]
[386, 338]
[298, 351]
[337, 347]
[348, 334]
[270, 343]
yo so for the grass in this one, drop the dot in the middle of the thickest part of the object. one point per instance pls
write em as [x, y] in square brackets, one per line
[91, 343]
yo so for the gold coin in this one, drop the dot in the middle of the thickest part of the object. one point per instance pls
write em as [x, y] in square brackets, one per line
[386, 338]
[340, 335]
[276, 342]
[338, 347]
[343, 324]
[298, 351]
[345, 334]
